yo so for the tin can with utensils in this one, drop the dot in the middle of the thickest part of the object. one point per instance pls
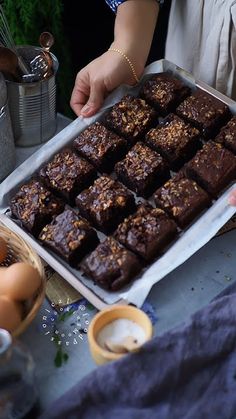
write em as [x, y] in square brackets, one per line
[32, 104]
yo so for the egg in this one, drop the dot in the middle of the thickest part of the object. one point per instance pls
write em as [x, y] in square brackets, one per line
[3, 250]
[10, 313]
[19, 281]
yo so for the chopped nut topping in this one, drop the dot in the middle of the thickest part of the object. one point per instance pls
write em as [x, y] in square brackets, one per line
[131, 117]
[33, 202]
[203, 109]
[181, 195]
[67, 233]
[111, 264]
[172, 136]
[227, 135]
[140, 162]
[164, 90]
[145, 231]
[105, 200]
[212, 164]
[65, 169]
[97, 142]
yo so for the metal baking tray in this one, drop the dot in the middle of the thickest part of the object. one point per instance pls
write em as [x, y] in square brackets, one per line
[188, 242]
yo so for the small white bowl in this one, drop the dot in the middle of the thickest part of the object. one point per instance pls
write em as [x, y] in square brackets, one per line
[108, 315]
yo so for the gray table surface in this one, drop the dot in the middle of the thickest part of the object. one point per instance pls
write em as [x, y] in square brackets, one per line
[175, 298]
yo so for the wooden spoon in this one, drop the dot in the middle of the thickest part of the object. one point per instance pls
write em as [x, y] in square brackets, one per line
[128, 344]
[9, 63]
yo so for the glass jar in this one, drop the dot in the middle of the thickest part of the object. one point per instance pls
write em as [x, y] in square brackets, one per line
[18, 394]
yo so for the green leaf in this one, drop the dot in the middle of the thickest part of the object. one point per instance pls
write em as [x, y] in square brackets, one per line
[90, 307]
[65, 357]
[58, 360]
[56, 339]
[62, 317]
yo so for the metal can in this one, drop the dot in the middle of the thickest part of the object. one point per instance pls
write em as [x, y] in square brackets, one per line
[7, 146]
[32, 105]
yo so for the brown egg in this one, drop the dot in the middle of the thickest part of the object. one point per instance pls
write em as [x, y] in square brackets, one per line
[19, 281]
[10, 313]
[3, 250]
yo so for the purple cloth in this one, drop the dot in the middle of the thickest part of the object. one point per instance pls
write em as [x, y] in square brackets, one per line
[188, 372]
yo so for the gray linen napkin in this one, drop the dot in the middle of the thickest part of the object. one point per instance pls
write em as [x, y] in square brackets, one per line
[188, 372]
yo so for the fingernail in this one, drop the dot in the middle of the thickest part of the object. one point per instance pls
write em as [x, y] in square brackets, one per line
[85, 109]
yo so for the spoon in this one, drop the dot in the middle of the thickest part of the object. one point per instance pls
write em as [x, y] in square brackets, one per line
[9, 63]
[128, 344]
[46, 41]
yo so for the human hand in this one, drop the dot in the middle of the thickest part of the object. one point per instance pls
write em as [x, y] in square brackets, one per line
[95, 81]
[232, 198]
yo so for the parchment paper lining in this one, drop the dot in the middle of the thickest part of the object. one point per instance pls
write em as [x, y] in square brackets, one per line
[187, 244]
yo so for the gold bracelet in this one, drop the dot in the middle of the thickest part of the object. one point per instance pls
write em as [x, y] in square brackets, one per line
[128, 61]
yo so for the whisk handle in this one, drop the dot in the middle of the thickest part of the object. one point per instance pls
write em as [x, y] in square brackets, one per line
[22, 65]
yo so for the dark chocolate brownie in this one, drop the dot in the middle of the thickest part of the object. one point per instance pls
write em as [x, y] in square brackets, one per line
[111, 265]
[142, 170]
[205, 112]
[106, 203]
[34, 205]
[175, 140]
[70, 236]
[102, 147]
[212, 168]
[164, 92]
[67, 174]
[146, 232]
[131, 118]
[227, 135]
[182, 198]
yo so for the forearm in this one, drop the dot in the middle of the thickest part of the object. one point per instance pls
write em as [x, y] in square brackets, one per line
[134, 28]
[123, 63]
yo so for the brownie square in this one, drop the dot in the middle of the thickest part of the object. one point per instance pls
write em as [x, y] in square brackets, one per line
[227, 135]
[175, 140]
[67, 174]
[182, 198]
[106, 203]
[111, 265]
[34, 205]
[164, 92]
[212, 168]
[146, 232]
[142, 170]
[205, 112]
[70, 236]
[131, 118]
[102, 147]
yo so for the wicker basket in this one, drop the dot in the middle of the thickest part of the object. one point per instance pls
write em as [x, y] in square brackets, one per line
[20, 251]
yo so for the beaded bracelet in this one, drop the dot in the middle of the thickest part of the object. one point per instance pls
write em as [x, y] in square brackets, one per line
[128, 61]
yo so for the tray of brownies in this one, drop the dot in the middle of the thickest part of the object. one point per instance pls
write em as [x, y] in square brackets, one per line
[115, 202]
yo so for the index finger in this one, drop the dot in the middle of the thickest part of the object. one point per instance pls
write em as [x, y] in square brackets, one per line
[78, 100]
